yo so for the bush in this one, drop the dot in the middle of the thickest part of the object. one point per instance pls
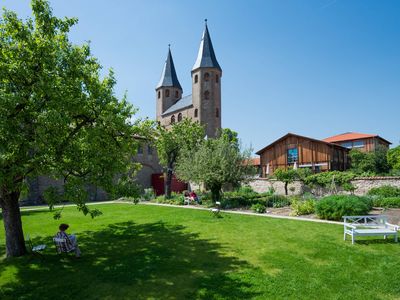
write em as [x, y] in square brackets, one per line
[330, 180]
[336, 206]
[385, 191]
[389, 202]
[302, 207]
[148, 194]
[245, 190]
[277, 201]
[258, 208]
[176, 199]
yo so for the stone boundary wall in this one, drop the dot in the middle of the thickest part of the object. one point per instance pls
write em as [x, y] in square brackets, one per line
[362, 185]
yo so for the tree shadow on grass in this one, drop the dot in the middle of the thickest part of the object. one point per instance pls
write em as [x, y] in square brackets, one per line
[132, 261]
[372, 241]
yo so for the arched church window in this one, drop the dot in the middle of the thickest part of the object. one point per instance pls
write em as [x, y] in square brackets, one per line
[196, 78]
[179, 117]
[166, 93]
[206, 95]
[216, 78]
[217, 112]
[159, 94]
[176, 94]
[196, 112]
[173, 119]
[206, 77]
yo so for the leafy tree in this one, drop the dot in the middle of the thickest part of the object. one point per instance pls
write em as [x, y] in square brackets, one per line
[57, 116]
[369, 162]
[393, 157]
[286, 176]
[184, 135]
[380, 157]
[215, 162]
[231, 136]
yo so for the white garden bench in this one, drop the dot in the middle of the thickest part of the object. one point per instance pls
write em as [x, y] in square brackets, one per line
[368, 226]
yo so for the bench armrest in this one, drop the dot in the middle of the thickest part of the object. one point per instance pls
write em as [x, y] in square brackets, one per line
[395, 227]
[350, 225]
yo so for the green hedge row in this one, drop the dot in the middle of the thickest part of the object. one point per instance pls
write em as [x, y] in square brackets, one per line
[336, 206]
[390, 202]
[230, 201]
[385, 191]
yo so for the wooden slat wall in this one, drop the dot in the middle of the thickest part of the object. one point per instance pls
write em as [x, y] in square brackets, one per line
[310, 152]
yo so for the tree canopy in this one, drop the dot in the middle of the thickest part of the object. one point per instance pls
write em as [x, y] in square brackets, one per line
[214, 163]
[393, 157]
[369, 162]
[181, 136]
[57, 115]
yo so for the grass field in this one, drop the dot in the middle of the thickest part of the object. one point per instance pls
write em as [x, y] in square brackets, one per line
[152, 252]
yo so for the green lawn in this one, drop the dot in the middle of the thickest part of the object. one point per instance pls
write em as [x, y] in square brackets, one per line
[151, 252]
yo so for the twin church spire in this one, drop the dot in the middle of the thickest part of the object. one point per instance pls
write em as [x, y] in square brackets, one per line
[203, 105]
[168, 75]
[205, 59]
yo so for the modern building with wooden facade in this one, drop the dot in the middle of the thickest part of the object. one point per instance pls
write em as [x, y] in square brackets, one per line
[361, 141]
[296, 151]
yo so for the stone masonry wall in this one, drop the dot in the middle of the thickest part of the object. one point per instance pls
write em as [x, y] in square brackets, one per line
[262, 185]
[362, 185]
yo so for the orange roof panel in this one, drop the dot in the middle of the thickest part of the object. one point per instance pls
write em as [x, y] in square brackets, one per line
[254, 161]
[349, 136]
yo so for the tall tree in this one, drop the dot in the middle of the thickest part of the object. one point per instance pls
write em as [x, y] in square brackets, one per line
[57, 116]
[393, 157]
[215, 162]
[375, 162]
[182, 136]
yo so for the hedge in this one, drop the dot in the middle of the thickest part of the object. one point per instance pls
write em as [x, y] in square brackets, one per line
[336, 206]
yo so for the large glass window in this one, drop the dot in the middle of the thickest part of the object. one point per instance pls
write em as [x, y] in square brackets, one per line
[347, 145]
[292, 155]
[358, 144]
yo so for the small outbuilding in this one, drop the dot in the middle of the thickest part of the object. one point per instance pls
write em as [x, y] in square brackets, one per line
[296, 151]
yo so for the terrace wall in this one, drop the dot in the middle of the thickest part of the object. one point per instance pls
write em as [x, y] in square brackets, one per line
[362, 185]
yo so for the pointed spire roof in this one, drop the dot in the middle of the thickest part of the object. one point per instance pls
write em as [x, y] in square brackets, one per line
[168, 75]
[206, 56]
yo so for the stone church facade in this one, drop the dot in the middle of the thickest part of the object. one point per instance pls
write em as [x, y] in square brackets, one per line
[204, 104]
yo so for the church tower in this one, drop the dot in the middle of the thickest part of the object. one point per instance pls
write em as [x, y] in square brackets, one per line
[206, 86]
[168, 90]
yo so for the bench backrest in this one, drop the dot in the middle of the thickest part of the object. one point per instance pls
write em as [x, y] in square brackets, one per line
[372, 221]
[61, 245]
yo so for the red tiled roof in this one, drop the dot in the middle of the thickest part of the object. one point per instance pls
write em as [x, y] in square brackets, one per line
[254, 161]
[348, 136]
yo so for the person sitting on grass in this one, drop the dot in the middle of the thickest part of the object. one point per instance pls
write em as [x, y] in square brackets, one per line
[71, 242]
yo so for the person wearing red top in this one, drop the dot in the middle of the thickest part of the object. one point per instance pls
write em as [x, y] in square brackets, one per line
[193, 196]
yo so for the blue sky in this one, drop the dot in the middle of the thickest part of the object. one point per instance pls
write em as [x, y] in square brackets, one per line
[315, 68]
